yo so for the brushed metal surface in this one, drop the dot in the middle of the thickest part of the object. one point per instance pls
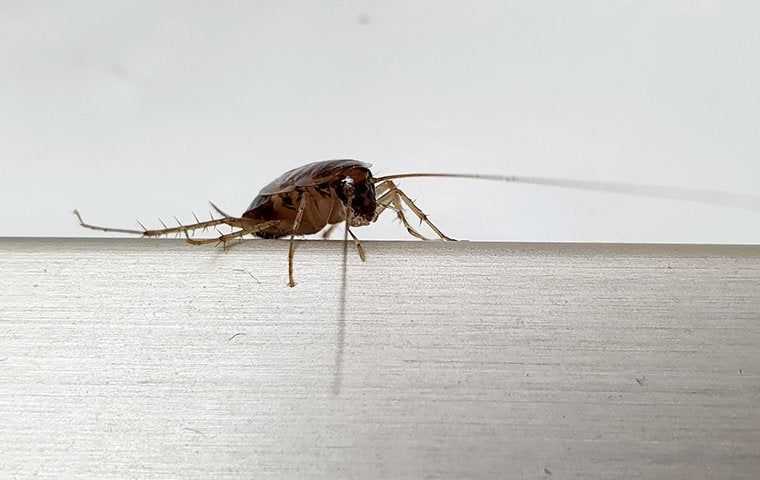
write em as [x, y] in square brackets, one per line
[154, 359]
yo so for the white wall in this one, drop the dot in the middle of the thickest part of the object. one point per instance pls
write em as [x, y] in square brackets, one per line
[142, 109]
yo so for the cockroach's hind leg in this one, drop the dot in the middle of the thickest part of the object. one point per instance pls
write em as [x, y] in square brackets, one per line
[166, 230]
[106, 229]
[359, 246]
[222, 239]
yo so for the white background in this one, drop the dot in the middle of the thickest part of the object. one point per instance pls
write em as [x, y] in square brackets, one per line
[143, 109]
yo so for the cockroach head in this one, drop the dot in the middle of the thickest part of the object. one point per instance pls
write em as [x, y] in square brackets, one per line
[360, 192]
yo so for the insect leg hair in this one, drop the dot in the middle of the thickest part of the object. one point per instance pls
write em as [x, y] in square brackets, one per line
[420, 214]
[394, 196]
[390, 199]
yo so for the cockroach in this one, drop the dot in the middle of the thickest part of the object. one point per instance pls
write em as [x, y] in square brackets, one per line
[320, 195]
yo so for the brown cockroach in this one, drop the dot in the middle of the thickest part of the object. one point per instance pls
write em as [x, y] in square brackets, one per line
[304, 201]
[320, 195]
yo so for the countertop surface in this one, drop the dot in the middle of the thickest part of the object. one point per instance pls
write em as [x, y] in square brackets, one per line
[156, 359]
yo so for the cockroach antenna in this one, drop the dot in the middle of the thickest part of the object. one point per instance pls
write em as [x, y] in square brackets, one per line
[713, 197]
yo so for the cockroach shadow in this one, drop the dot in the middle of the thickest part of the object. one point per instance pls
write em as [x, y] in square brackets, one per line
[341, 339]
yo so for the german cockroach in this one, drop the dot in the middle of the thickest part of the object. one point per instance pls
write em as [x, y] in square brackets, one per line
[320, 195]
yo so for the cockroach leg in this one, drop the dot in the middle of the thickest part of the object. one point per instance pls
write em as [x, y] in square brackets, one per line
[160, 232]
[383, 202]
[391, 199]
[220, 239]
[329, 230]
[292, 247]
[420, 214]
[106, 229]
[359, 246]
[400, 214]
[223, 239]
[349, 192]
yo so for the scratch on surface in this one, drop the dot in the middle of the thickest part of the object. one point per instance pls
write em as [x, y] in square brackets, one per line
[236, 335]
[194, 430]
[249, 274]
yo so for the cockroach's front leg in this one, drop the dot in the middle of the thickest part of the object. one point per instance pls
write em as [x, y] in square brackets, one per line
[419, 213]
[391, 199]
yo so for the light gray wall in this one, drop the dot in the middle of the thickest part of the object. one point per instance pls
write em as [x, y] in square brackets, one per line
[146, 109]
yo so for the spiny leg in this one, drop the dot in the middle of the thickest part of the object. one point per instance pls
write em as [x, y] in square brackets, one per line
[384, 197]
[292, 249]
[164, 231]
[383, 201]
[400, 214]
[390, 199]
[223, 239]
[420, 214]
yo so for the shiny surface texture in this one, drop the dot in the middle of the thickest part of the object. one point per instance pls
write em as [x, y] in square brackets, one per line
[311, 174]
[154, 359]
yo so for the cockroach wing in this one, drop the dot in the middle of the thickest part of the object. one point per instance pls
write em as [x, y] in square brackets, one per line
[310, 174]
